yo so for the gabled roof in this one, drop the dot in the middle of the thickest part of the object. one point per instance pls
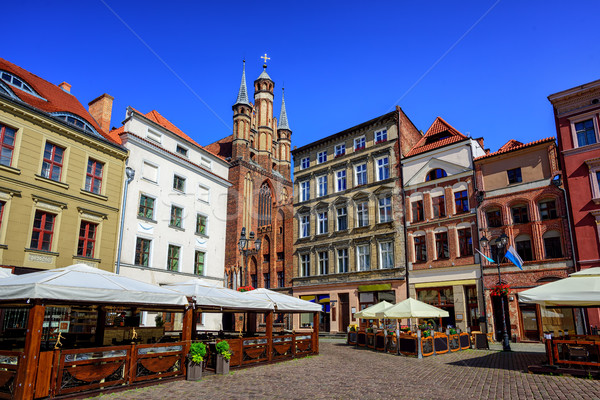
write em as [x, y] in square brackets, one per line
[513, 145]
[53, 100]
[439, 134]
[221, 148]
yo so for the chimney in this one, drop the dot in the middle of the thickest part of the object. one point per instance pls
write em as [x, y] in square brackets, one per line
[101, 110]
[65, 86]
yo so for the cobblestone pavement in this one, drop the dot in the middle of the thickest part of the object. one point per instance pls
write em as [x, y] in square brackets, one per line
[344, 372]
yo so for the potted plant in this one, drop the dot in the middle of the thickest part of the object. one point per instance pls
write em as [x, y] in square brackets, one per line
[223, 357]
[195, 361]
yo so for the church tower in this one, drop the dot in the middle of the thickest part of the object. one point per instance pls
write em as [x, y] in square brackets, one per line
[265, 123]
[284, 140]
[242, 116]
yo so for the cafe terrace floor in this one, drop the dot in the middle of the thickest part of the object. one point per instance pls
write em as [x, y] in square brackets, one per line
[345, 372]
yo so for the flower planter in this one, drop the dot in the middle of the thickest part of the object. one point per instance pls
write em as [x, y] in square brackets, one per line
[222, 365]
[194, 371]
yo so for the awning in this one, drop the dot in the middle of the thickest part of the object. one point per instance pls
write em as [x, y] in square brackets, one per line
[411, 308]
[581, 289]
[82, 283]
[208, 294]
[283, 302]
[369, 312]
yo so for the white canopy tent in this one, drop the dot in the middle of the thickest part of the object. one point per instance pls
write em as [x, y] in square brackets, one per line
[283, 302]
[411, 308]
[5, 273]
[369, 312]
[82, 283]
[208, 294]
[580, 289]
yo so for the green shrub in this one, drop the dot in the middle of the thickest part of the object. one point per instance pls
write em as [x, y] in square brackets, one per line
[197, 352]
[223, 349]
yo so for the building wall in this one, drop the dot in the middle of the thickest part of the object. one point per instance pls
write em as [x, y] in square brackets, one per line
[24, 191]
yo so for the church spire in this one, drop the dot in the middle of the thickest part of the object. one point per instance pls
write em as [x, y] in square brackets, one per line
[283, 120]
[242, 97]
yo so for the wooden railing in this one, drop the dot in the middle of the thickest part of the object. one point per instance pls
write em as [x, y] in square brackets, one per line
[575, 352]
[255, 350]
[9, 363]
[157, 361]
[284, 347]
[303, 345]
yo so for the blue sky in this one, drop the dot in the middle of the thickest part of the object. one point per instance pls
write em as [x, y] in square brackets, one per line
[485, 66]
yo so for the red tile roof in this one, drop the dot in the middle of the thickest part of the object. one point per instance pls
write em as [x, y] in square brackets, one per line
[513, 145]
[438, 126]
[221, 148]
[57, 99]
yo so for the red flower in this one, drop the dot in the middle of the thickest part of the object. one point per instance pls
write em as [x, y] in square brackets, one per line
[245, 288]
[501, 289]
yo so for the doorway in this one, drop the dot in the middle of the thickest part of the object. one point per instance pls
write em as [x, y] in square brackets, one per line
[529, 321]
[497, 308]
[344, 318]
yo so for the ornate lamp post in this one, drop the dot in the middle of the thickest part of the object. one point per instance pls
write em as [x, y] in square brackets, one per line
[243, 246]
[501, 243]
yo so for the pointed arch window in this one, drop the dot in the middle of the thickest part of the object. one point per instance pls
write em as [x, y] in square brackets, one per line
[264, 205]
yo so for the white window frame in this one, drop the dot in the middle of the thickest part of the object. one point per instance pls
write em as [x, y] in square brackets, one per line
[339, 179]
[304, 190]
[322, 157]
[362, 208]
[356, 173]
[321, 185]
[390, 249]
[383, 167]
[340, 150]
[379, 207]
[594, 168]
[304, 225]
[184, 183]
[322, 222]
[337, 217]
[363, 257]
[358, 140]
[346, 258]
[580, 118]
[383, 137]
[323, 262]
[304, 264]
[303, 161]
[185, 149]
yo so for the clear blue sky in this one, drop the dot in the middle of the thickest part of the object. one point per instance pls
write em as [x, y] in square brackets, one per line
[342, 64]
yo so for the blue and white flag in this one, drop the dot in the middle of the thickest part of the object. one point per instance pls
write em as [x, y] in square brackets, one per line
[486, 257]
[514, 257]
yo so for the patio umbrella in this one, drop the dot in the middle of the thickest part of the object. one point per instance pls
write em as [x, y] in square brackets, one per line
[411, 308]
[82, 283]
[282, 302]
[5, 273]
[208, 294]
[580, 289]
[369, 312]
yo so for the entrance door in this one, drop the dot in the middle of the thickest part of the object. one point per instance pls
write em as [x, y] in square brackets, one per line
[344, 312]
[529, 321]
[497, 307]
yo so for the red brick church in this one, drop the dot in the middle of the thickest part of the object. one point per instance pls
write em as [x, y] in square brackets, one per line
[260, 200]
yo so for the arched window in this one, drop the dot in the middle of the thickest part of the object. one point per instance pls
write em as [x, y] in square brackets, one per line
[435, 174]
[75, 121]
[17, 82]
[265, 203]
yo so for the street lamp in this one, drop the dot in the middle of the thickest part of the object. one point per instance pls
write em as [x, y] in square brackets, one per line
[243, 246]
[501, 243]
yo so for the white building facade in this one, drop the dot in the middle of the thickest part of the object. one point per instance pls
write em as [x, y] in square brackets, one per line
[176, 208]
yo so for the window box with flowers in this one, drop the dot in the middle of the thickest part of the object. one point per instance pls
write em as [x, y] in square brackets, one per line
[245, 288]
[358, 148]
[502, 289]
[381, 141]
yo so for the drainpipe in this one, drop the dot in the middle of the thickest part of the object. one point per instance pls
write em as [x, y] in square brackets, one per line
[484, 313]
[130, 174]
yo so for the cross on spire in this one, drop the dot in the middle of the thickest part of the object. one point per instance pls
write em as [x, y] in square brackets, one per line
[265, 58]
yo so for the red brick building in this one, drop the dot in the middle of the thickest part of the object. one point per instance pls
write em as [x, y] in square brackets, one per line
[442, 224]
[577, 116]
[260, 199]
[518, 196]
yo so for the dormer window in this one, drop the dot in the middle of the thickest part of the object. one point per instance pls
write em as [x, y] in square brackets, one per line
[75, 121]
[18, 83]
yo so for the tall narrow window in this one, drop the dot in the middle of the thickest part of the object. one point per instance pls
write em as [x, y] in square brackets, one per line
[321, 157]
[420, 249]
[385, 209]
[173, 258]
[93, 178]
[7, 144]
[265, 203]
[340, 177]
[552, 245]
[323, 263]
[199, 260]
[361, 174]
[201, 221]
[305, 163]
[280, 279]
[87, 239]
[305, 191]
[383, 168]
[386, 255]
[146, 209]
[362, 214]
[304, 264]
[322, 186]
[342, 260]
[363, 257]
[176, 217]
[142, 252]
[304, 226]
[441, 245]
[342, 218]
[417, 210]
[439, 206]
[2, 204]
[461, 201]
[585, 133]
[267, 280]
[322, 222]
[53, 161]
[43, 230]
[465, 242]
